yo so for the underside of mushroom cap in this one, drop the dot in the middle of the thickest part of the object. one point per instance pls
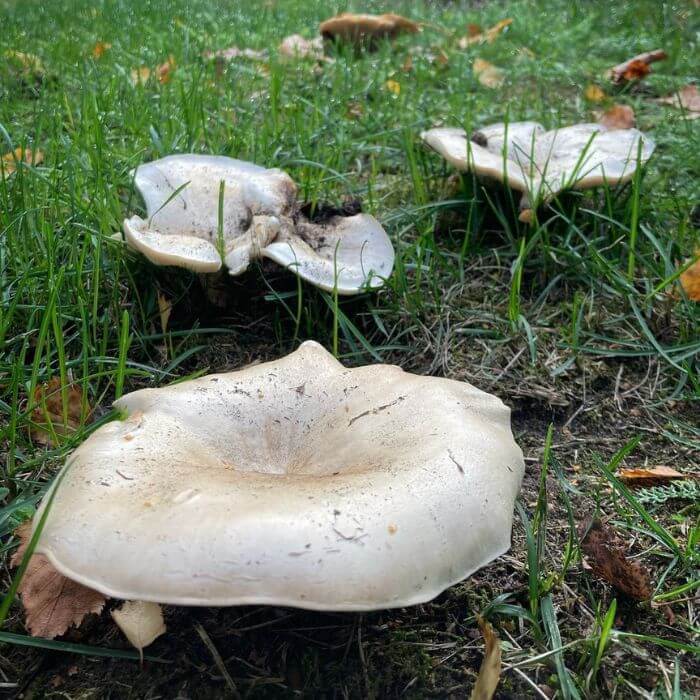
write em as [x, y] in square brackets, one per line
[296, 482]
[543, 163]
[260, 217]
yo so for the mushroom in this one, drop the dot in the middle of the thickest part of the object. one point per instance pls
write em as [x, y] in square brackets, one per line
[296, 482]
[364, 28]
[259, 218]
[540, 163]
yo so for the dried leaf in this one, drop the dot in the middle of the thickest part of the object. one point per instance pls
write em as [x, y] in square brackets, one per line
[488, 74]
[100, 48]
[393, 87]
[604, 549]
[475, 35]
[142, 623]
[687, 99]
[165, 70]
[361, 29]
[690, 280]
[52, 602]
[140, 76]
[490, 670]
[26, 66]
[165, 308]
[295, 47]
[355, 110]
[407, 66]
[649, 477]
[636, 68]
[49, 422]
[617, 117]
[594, 94]
[13, 158]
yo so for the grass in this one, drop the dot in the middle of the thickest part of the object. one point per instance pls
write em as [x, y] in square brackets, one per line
[577, 321]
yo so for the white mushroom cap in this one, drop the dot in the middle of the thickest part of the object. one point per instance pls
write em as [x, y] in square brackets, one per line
[261, 218]
[296, 482]
[543, 163]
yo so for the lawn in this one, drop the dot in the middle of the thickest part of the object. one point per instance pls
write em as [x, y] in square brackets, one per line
[576, 321]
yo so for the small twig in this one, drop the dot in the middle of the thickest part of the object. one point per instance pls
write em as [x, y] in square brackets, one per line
[217, 659]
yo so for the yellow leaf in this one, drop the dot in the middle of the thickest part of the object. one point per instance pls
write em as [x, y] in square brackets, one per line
[165, 308]
[25, 65]
[490, 671]
[99, 49]
[393, 86]
[475, 35]
[493, 32]
[649, 477]
[488, 74]
[139, 76]
[11, 160]
[593, 93]
[164, 71]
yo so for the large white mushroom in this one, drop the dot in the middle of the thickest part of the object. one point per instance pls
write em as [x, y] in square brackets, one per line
[540, 163]
[259, 218]
[297, 482]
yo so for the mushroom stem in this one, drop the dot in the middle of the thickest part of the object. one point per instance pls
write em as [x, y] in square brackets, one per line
[216, 287]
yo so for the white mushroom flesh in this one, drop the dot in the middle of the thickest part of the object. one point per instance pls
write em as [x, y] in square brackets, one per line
[259, 218]
[296, 482]
[543, 163]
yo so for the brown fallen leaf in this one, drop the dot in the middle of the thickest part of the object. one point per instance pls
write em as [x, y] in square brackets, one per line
[605, 551]
[366, 29]
[687, 99]
[49, 422]
[165, 70]
[488, 74]
[649, 477]
[636, 67]
[594, 94]
[52, 602]
[100, 48]
[163, 73]
[475, 35]
[690, 280]
[617, 117]
[296, 46]
[490, 670]
[11, 160]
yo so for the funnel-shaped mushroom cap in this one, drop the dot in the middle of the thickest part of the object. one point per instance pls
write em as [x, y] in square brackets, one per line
[543, 163]
[296, 482]
[259, 218]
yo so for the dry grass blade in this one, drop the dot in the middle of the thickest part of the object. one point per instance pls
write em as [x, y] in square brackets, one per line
[604, 550]
[475, 35]
[52, 602]
[490, 671]
[649, 477]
